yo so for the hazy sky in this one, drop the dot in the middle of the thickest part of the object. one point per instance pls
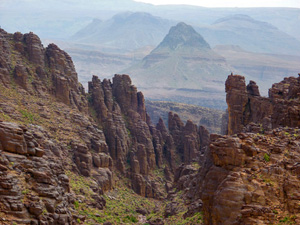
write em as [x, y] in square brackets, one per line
[229, 3]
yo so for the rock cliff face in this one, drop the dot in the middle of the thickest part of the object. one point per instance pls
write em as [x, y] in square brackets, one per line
[246, 107]
[189, 139]
[249, 177]
[39, 70]
[121, 111]
[133, 140]
[59, 144]
[62, 149]
[32, 180]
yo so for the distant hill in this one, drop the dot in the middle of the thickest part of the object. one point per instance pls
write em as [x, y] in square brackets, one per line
[210, 118]
[125, 31]
[182, 60]
[251, 35]
[286, 19]
[62, 18]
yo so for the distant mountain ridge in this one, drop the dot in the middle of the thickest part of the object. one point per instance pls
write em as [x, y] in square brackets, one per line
[129, 30]
[243, 17]
[250, 34]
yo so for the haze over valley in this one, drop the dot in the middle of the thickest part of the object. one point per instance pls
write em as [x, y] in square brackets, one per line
[108, 37]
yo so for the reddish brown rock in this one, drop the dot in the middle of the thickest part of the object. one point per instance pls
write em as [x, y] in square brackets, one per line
[252, 88]
[66, 86]
[104, 178]
[120, 109]
[175, 127]
[51, 70]
[237, 100]
[37, 178]
[141, 106]
[246, 107]
[12, 138]
[82, 158]
[125, 93]
[21, 76]
[116, 136]
[102, 160]
[190, 141]
[204, 137]
[167, 144]
[247, 178]
[17, 139]
[110, 116]
[4, 58]
[33, 47]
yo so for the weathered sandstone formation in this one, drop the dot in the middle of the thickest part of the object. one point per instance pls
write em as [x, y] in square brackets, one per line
[246, 106]
[251, 176]
[61, 147]
[57, 135]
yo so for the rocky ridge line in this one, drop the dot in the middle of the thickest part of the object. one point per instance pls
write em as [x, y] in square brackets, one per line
[246, 107]
[96, 135]
[250, 176]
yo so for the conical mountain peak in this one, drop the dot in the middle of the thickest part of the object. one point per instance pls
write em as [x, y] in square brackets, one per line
[183, 35]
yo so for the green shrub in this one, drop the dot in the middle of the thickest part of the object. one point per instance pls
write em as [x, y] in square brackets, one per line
[30, 117]
[130, 218]
[26, 191]
[76, 204]
[267, 157]
[285, 219]
[27, 115]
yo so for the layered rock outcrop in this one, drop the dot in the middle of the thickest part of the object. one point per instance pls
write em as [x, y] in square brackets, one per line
[246, 106]
[60, 147]
[248, 179]
[132, 139]
[190, 140]
[57, 138]
[34, 186]
[129, 142]
[39, 70]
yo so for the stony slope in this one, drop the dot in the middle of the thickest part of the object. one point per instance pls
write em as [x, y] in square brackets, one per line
[250, 176]
[62, 149]
[67, 157]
